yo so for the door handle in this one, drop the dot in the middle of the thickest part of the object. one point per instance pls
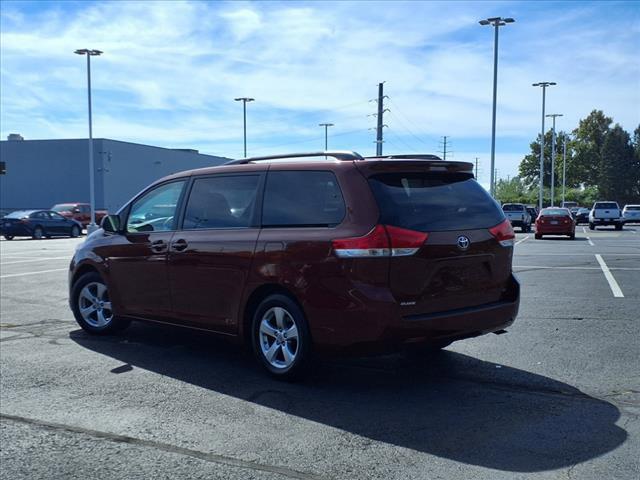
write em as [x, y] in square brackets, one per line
[179, 245]
[159, 246]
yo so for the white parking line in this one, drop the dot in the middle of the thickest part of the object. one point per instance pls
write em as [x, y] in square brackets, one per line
[584, 229]
[615, 288]
[572, 267]
[520, 241]
[35, 260]
[32, 273]
[590, 242]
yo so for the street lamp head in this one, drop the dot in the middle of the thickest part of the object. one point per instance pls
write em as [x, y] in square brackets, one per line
[244, 99]
[325, 125]
[86, 51]
[95, 52]
[509, 20]
[484, 22]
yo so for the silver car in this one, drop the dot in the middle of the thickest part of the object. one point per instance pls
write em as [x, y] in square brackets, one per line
[631, 214]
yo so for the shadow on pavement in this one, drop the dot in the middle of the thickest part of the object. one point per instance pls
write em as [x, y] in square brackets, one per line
[453, 406]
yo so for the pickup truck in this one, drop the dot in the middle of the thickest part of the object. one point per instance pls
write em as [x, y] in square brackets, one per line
[605, 213]
[518, 215]
[80, 212]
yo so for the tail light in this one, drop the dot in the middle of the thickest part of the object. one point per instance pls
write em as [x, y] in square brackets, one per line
[503, 233]
[382, 241]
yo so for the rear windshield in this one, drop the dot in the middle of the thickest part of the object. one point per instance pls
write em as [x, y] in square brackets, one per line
[434, 202]
[63, 207]
[511, 207]
[19, 214]
[607, 205]
[555, 211]
[635, 208]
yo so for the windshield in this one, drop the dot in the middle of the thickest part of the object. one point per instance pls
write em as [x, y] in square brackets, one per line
[62, 207]
[434, 202]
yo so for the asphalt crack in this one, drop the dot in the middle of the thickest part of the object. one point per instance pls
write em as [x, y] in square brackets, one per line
[165, 447]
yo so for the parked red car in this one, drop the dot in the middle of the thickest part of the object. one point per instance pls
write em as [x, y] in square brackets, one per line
[295, 255]
[80, 212]
[555, 221]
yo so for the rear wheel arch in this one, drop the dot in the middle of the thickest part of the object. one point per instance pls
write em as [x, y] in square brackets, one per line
[254, 300]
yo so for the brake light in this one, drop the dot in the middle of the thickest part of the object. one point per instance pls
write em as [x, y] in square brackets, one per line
[503, 232]
[381, 241]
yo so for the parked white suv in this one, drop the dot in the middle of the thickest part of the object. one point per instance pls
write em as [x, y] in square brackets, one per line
[518, 215]
[605, 213]
[631, 214]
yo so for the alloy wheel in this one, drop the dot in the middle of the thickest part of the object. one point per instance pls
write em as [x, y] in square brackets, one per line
[94, 305]
[278, 337]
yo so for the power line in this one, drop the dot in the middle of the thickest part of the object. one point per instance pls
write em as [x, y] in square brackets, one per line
[404, 124]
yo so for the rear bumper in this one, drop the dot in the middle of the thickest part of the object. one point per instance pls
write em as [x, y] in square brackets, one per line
[602, 221]
[396, 332]
[555, 229]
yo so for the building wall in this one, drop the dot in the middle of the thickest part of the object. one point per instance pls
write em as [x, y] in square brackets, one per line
[41, 173]
[129, 167]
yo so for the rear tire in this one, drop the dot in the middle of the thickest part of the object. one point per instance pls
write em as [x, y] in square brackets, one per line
[572, 236]
[618, 226]
[592, 226]
[75, 231]
[281, 339]
[38, 233]
[538, 236]
[91, 306]
[8, 237]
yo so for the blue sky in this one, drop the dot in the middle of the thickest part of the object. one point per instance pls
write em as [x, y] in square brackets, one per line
[170, 72]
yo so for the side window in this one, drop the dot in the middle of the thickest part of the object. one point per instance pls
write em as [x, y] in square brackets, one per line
[40, 215]
[155, 210]
[221, 202]
[55, 216]
[302, 199]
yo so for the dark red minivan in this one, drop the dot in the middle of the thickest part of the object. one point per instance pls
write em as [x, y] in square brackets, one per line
[326, 252]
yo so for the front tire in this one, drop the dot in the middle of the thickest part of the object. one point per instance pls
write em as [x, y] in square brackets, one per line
[91, 306]
[572, 236]
[538, 236]
[592, 226]
[75, 231]
[38, 233]
[8, 237]
[618, 226]
[280, 337]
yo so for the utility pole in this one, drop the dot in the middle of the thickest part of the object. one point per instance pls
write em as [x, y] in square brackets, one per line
[544, 86]
[553, 155]
[476, 168]
[380, 122]
[444, 147]
[326, 126]
[564, 165]
[496, 22]
[244, 101]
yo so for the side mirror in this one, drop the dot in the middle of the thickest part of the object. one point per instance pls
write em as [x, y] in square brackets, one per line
[111, 223]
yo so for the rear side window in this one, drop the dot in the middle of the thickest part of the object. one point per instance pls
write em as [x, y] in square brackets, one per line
[302, 199]
[221, 202]
[434, 202]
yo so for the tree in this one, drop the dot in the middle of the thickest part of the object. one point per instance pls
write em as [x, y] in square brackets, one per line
[619, 174]
[529, 168]
[589, 139]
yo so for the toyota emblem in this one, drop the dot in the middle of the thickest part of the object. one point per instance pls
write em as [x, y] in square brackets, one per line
[463, 242]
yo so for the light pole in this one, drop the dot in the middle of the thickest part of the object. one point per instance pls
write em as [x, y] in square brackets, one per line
[564, 165]
[544, 86]
[244, 101]
[496, 22]
[326, 126]
[92, 227]
[553, 154]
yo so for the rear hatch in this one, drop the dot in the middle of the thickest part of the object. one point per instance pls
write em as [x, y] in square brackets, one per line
[606, 210]
[465, 260]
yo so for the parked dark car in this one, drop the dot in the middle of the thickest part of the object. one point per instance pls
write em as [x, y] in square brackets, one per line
[582, 216]
[345, 254]
[533, 211]
[38, 224]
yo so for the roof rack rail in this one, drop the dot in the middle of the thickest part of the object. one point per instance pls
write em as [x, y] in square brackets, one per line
[337, 154]
[416, 156]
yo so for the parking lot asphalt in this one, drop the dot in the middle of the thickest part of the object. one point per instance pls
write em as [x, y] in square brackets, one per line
[556, 397]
